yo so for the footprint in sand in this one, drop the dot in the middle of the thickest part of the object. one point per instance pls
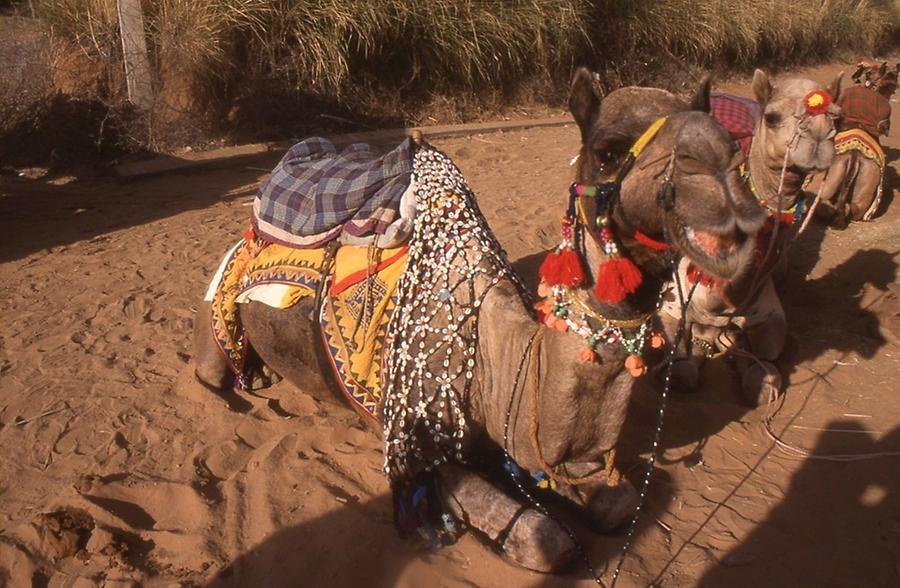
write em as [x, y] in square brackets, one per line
[173, 517]
[147, 504]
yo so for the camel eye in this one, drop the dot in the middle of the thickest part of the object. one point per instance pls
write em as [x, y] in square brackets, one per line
[692, 166]
[608, 157]
[773, 119]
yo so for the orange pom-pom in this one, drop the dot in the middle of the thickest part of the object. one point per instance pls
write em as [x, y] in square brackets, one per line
[635, 365]
[657, 340]
[616, 279]
[587, 355]
[544, 289]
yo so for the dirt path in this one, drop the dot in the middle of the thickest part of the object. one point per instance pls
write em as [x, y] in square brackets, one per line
[114, 470]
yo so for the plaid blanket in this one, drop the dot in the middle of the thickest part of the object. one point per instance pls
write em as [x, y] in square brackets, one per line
[864, 108]
[737, 115]
[314, 192]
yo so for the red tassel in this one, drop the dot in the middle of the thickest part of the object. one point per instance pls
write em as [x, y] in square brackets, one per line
[617, 278]
[563, 268]
[549, 271]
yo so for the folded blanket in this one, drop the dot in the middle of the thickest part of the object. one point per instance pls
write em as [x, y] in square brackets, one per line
[315, 192]
[738, 116]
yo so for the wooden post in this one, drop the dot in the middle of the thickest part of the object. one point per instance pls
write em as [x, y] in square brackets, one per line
[134, 49]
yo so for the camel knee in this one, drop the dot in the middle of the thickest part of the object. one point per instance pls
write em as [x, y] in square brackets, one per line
[760, 383]
[610, 507]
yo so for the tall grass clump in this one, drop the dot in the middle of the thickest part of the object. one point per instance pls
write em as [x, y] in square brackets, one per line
[741, 33]
[385, 59]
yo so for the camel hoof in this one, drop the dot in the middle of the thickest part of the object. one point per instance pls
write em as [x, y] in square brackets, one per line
[761, 383]
[612, 506]
[685, 375]
[264, 377]
[538, 543]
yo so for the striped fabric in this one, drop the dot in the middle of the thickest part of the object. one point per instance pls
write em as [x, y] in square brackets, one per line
[738, 115]
[866, 109]
[314, 192]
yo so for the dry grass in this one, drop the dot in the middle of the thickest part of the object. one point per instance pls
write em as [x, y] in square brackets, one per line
[384, 59]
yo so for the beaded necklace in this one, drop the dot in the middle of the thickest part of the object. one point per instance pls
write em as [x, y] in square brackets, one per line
[454, 261]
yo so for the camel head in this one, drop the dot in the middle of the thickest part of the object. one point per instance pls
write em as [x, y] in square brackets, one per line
[683, 190]
[798, 121]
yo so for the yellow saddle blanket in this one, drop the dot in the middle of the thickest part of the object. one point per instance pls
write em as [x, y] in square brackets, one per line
[357, 304]
[859, 140]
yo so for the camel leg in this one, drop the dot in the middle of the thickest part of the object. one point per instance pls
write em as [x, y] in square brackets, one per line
[287, 341]
[831, 186]
[524, 535]
[765, 339]
[688, 358]
[210, 367]
[865, 188]
[842, 206]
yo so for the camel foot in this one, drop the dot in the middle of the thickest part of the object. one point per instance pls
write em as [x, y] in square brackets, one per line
[263, 377]
[524, 536]
[538, 543]
[612, 506]
[761, 383]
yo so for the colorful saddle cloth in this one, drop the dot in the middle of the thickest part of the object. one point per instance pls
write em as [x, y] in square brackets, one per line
[354, 315]
[866, 109]
[315, 192]
[868, 147]
[738, 116]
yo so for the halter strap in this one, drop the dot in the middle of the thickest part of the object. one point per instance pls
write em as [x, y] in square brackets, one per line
[609, 191]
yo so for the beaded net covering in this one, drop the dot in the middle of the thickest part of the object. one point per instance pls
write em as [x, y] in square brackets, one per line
[454, 261]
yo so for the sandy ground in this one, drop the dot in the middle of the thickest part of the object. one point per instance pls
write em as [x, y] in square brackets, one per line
[116, 470]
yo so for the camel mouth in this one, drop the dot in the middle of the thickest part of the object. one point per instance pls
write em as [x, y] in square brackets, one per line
[724, 255]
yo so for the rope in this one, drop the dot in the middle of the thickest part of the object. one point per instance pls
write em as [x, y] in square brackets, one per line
[645, 484]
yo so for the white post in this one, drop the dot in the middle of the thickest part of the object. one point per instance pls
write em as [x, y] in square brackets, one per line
[134, 49]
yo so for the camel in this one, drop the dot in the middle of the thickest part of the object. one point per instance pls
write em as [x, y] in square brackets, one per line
[745, 317]
[853, 185]
[535, 397]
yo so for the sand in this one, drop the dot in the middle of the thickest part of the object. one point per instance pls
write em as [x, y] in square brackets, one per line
[117, 470]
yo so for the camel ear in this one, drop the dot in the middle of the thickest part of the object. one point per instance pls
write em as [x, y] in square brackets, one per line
[836, 87]
[883, 69]
[583, 101]
[700, 101]
[860, 68]
[762, 87]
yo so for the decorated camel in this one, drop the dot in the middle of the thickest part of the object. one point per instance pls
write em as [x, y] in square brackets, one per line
[786, 134]
[854, 183]
[472, 379]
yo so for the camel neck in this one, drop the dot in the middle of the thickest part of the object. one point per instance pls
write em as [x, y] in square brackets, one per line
[572, 394]
[764, 177]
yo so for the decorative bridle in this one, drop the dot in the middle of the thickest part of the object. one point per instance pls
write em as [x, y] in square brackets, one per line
[589, 210]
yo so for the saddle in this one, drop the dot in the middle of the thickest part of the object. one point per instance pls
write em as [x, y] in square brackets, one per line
[358, 296]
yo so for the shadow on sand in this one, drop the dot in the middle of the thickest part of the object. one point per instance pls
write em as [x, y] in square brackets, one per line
[357, 545]
[838, 525]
